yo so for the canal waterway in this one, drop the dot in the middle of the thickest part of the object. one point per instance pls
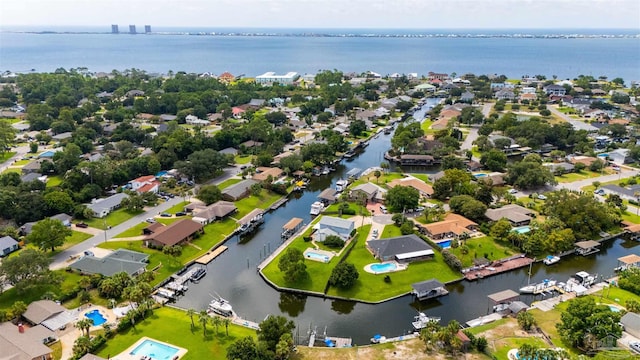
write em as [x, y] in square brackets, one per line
[233, 275]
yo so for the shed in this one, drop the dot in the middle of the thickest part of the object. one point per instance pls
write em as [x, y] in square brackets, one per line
[428, 289]
[8, 245]
[503, 296]
[328, 196]
[517, 306]
[587, 247]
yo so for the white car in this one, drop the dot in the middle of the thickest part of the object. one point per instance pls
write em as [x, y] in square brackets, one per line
[542, 197]
[635, 346]
[512, 191]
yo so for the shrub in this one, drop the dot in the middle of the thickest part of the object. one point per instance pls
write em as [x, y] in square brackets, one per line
[387, 279]
[333, 242]
[348, 211]
[451, 260]
[481, 343]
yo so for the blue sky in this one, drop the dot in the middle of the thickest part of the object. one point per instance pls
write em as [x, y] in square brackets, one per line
[435, 14]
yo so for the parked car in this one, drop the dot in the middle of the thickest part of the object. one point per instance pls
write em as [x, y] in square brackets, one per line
[165, 215]
[181, 213]
[82, 225]
[599, 192]
[384, 209]
[542, 197]
[150, 220]
[512, 191]
[635, 346]
[375, 232]
[420, 209]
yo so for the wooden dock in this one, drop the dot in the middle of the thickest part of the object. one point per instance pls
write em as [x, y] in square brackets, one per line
[208, 257]
[340, 342]
[497, 267]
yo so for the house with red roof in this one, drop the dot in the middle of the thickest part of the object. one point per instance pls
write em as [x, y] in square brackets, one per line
[226, 77]
[145, 184]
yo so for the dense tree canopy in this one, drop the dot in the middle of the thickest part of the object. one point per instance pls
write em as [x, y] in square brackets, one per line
[584, 322]
[529, 173]
[29, 269]
[48, 234]
[344, 275]
[401, 198]
[292, 264]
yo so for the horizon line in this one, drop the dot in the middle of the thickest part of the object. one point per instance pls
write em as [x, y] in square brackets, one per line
[329, 28]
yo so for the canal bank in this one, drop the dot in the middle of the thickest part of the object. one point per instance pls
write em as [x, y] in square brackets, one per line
[233, 274]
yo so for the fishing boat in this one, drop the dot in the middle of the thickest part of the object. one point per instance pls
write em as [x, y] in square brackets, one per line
[388, 130]
[421, 320]
[316, 208]
[220, 306]
[583, 278]
[538, 288]
[341, 185]
[551, 259]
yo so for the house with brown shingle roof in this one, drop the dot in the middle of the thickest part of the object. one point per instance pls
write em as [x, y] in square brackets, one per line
[516, 214]
[423, 188]
[452, 226]
[263, 173]
[25, 343]
[177, 233]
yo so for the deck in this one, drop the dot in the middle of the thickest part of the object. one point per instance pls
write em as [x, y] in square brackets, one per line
[340, 342]
[495, 269]
[208, 257]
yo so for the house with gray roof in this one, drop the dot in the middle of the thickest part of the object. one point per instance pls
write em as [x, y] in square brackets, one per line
[335, 226]
[102, 207]
[428, 289]
[64, 218]
[631, 323]
[369, 191]
[628, 193]
[562, 167]
[41, 310]
[230, 151]
[516, 214]
[405, 248]
[8, 245]
[25, 343]
[33, 167]
[32, 177]
[216, 211]
[62, 136]
[467, 96]
[505, 94]
[238, 191]
[121, 260]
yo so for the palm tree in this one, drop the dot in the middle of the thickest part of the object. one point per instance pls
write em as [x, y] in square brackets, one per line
[216, 322]
[191, 313]
[203, 318]
[82, 345]
[84, 325]
[226, 322]
[107, 329]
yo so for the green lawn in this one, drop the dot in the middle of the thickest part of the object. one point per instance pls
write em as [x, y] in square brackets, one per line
[576, 176]
[22, 162]
[243, 159]
[333, 210]
[631, 216]
[385, 177]
[372, 287]
[426, 126]
[114, 218]
[6, 156]
[133, 231]
[177, 208]
[252, 202]
[75, 238]
[390, 231]
[53, 181]
[225, 184]
[174, 327]
[168, 220]
[8, 297]
[423, 177]
[10, 170]
[478, 247]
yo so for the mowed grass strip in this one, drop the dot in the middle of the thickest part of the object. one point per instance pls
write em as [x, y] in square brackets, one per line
[165, 323]
[114, 218]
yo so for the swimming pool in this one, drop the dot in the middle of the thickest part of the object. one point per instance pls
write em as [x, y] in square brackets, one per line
[522, 229]
[96, 317]
[445, 244]
[315, 256]
[155, 350]
[384, 267]
[479, 175]
[614, 308]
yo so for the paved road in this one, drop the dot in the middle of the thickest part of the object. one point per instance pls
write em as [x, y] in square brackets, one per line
[21, 151]
[577, 124]
[467, 144]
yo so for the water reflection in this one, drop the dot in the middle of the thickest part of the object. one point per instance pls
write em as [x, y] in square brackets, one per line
[343, 307]
[292, 304]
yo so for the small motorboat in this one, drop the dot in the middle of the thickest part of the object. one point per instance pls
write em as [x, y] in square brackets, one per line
[551, 259]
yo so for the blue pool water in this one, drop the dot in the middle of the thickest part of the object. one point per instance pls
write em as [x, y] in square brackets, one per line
[479, 175]
[445, 244]
[316, 256]
[614, 308]
[161, 174]
[96, 317]
[46, 154]
[155, 350]
[522, 229]
[383, 267]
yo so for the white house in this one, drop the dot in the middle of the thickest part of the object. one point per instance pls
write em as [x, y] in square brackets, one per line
[330, 225]
[272, 77]
[102, 207]
[145, 184]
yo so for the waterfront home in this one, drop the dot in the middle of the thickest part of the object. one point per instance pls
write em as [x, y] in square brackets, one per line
[428, 289]
[328, 196]
[8, 245]
[216, 211]
[516, 214]
[368, 191]
[330, 225]
[405, 248]
[560, 168]
[416, 160]
[422, 187]
[238, 191]
[103, 207]
[19, 342]
[264, 173]
[452, 226]
[177, 233]
[121, 260]
[557, 90]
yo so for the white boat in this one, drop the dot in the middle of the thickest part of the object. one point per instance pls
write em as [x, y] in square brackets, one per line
[341, 185]
[378, 339]
[220, 306]
[421, 320]
[538, 288]
[550, 260]
[583, 278]
[316, 208]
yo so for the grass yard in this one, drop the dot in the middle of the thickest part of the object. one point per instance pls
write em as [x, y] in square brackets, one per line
[8, 297]
[75, 238]
[332, 210]
[479, 247]
[165, 323]
[6, 156]
[168, 220]
[263, 201]
[577, 176]
[504, 335]
[22, 162]
[114, 218]
[225, 184]
[133, 231]
[390, 231]
[10, 170]
[423, 177]
[243, 159]
[385, 177]
[372, 287]
[426, 126]
[177, 208]
[631, 217]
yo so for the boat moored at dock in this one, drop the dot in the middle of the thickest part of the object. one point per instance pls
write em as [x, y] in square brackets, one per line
[551, 259]
[421, 320]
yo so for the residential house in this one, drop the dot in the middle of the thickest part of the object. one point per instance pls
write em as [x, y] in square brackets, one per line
[216, 211]
[329, 225]
[49, 314]
[328, 196]
[264, 173]
[168, 117]
[145, 116]
[494, 178]
[238, 191]
[452, 226]
[626, 193]
[144, 184]
[405, 248]
[440, 76]
[560, 168]
[467, 96]
[620, 156]
[249, 144]
[229, 151]
[25, 343]
[423, 188]
[516, 214]
[194, 120]
[416, 160]
[177, 233]
[368, 191]
[631, 323]
[505, 94]
[226, 77]
[528, 97]
[271, 77]
[121, 260]
[134, 93]
[33, 167]
[586, 160]
[33, 177]
[8, 245]
[102, 207]
[557, 90]
[62, 136]
[63, 218]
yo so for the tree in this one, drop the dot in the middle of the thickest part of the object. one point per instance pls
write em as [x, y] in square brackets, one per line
[81, 346]
[209, 194]
[529, 173]
[84, 325]
[7, 136]
[494, 160]
[377, 174]
[256, 189]
[584, 319]
[246, 349]
[344, 275]
[526, 320]
[500, 229]
[133, 203]
[401, 198]
[216, 321]
[284, 347]
[33, 147]
[452, 162]
[333, 241]
[467, 206]
[276, 117]
[202, 164]
[292, 265]
[191, 313]
[49, 233]
[357, 127]
[18, 309]
[226, 322]
[204, 318]
[454, 182]
[29, 269]
[59, 202]
[272, 329]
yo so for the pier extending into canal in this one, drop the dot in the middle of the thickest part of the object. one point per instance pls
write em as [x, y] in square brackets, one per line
[497, 267]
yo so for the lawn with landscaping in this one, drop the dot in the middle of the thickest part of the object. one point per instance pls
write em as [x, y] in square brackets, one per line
[384, 178]
[6, 156]
[114, 218]
[578, 176]
[165, 323]
[225, 184]
[133, 231]
[262, 201]
[10, 296]
[349, 209]
[483, 247]
[53, 181]
[390, 231]
[177, 208]
[243, 159]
